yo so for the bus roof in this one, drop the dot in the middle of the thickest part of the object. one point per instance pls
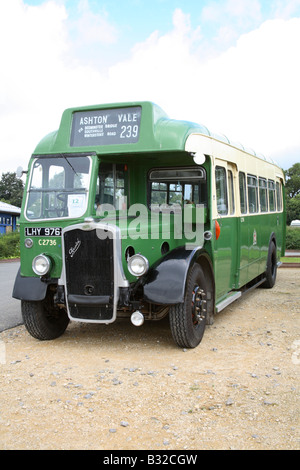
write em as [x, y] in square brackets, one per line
[118, 128]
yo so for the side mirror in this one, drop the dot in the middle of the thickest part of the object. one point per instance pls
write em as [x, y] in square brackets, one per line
[20, 172]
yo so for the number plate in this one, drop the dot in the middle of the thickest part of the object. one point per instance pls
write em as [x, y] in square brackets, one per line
[42, 231]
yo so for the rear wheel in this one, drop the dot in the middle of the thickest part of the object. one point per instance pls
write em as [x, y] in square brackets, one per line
[42, 319]
[188, 320]
[271, 271]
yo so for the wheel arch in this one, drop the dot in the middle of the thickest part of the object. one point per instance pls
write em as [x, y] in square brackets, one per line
[31, 288]
[205, 262]
[273, 239]
[166, 281]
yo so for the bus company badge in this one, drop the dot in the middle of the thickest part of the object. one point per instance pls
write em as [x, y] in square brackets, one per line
[73, 249]
[254, 237]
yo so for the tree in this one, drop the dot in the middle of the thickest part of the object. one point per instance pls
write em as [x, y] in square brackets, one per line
[293, 209]
[292, 176]
[292, 191]
[11, 189]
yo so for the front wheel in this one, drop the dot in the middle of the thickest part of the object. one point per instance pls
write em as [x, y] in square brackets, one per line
[188, 320]
[43, 320]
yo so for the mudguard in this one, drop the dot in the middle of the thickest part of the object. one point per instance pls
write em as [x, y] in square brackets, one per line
[165, 281]
[30, 288]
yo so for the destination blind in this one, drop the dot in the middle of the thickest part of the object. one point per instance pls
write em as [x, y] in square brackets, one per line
[106, 127]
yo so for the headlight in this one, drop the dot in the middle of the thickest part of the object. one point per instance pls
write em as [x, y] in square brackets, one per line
[138, 265]
[41, 265]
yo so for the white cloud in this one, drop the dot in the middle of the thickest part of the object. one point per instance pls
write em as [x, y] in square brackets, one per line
[38, 79]
[225, 20]
[254, 87]
[286, 8]
[32, 43]
[92, 28]
[249, 92]
[228, 10]
[249, 10]
[160, 68]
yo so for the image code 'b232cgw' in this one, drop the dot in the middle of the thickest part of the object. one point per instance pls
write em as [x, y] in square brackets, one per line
[129, 214]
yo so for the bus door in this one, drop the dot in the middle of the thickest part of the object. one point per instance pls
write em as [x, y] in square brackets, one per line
[225, 253]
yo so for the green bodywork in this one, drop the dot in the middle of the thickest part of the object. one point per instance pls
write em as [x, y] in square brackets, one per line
[240, 254]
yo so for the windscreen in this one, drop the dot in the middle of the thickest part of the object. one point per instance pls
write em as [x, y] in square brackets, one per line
[58, 187]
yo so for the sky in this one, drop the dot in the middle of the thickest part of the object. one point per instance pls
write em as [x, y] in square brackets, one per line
[230, 65]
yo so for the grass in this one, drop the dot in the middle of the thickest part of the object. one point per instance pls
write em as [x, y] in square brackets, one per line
[290, 259]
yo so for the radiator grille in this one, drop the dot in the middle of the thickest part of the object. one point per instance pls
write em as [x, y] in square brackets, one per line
[89, 269]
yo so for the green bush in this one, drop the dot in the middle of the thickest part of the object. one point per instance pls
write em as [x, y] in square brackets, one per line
[10, 245]
[292, 241]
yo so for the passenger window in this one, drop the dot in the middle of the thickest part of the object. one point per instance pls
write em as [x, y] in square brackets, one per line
[243, 193]
[231, 192]
[279, 196]
[175, 193]
[252, 193]
[271, 190]
[263, 199]
[177, 186]
[222, 202]
[159, 193]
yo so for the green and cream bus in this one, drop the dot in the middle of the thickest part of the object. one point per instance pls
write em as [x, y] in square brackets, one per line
[130, 214]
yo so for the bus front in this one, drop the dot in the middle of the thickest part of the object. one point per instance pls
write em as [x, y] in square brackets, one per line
[92, 246]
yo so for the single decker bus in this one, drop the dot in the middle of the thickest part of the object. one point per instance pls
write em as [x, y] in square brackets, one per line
[130, 214]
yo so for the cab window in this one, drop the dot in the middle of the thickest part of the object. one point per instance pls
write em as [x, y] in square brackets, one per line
[111, 187]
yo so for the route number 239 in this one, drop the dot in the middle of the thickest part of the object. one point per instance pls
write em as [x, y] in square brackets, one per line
[129, 131]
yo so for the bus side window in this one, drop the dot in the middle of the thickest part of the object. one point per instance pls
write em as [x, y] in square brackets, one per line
[243, 192]
[231, 192]
[263, 199]
[159, 193]
[252, 193]
[279, 196]
[221, 188]
[272, 200]
[176, 186]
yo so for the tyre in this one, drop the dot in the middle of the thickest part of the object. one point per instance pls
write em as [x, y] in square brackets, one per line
[271, 271]
[43, 320]
[188, 320]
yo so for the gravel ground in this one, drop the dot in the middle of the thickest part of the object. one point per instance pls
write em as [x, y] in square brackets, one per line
[121, 387]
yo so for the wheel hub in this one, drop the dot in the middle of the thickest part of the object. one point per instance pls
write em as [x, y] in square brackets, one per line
[198, 305]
